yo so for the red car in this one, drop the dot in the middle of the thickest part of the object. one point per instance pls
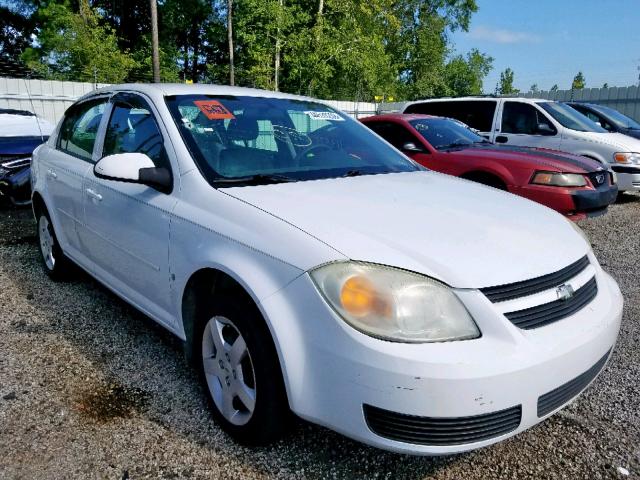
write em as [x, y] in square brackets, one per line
[573, 185]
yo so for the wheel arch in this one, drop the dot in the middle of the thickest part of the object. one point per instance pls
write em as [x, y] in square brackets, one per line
[480, 173]
[201, 288]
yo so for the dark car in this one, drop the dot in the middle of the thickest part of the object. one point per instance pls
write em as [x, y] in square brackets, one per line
[572, 185]
[20, 133]
[609, 118]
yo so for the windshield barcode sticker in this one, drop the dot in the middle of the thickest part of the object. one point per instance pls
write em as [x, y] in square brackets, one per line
[325, 116]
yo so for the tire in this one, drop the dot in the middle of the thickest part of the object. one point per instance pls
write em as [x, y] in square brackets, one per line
[244, 383]
[55, 262]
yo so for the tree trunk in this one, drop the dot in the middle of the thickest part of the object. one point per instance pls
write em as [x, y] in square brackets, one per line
[155, 50]
[276, 83]
[230, 40]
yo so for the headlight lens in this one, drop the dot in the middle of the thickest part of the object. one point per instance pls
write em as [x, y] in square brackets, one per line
[393, 304]
[556, 179]
[626, 157]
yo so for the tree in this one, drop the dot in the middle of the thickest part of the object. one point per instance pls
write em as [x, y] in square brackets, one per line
[464, 76]
[534, 88]
[554, 88]
[578, 82]
[605, 85]
[16, 27]
[505, 85]
[230, 41]
[75, 46]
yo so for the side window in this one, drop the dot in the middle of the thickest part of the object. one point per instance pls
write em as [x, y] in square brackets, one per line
[477, 114]
[395, 134]
[522, 118]
[132, 128]
[598, 119]
[80, 128]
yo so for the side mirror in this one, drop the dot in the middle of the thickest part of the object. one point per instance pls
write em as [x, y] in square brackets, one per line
[133, 168]
[411, 147]
[545, 129]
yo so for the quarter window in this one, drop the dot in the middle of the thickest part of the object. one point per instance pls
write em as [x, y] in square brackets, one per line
[80, 128]
[522, 118]
[132, 129]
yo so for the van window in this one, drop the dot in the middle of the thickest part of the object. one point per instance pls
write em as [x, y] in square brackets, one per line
[477, 114]
[522, 118]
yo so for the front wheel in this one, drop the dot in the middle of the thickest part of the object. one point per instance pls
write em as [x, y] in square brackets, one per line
[242, 375]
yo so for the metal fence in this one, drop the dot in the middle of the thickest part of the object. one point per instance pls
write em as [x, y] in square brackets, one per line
[50, 98]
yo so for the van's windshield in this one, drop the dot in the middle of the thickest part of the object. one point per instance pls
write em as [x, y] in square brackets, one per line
[239, 141]
[570, 118]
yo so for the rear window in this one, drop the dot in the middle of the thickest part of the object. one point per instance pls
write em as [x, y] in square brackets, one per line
[477, 114]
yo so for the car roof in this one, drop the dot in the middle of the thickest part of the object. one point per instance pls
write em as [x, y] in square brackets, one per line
[169, 89]
[480, 99]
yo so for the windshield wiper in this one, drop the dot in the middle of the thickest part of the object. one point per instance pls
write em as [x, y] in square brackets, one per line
[352, 173]
[258, 179]
[454, 145]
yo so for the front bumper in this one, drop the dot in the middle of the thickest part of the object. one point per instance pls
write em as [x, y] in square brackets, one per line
[628, 177]
[571, 201]
[16, 185]
[332, 371]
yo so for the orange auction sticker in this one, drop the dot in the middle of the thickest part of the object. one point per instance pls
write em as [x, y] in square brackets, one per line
[213, 109]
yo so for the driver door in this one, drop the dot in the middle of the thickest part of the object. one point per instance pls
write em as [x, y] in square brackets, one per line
[126, 224]
[520, 127]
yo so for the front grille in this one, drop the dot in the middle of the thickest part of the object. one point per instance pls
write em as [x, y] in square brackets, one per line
[561, 395]
[441, 430]
[510, 291]
[598, 179]
[547, 313]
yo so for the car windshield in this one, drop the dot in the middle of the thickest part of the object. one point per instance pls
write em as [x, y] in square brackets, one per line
[617, 118]
[239, 140]
[444, 133]
[570, 118]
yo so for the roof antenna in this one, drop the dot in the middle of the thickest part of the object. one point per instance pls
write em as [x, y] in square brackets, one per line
[33, 109]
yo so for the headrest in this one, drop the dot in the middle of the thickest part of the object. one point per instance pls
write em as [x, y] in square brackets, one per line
[243, 127]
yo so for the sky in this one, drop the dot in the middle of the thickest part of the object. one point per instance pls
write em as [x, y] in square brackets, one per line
[547, 42]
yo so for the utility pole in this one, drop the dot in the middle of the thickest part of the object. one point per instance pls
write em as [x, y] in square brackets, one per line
[154, 42]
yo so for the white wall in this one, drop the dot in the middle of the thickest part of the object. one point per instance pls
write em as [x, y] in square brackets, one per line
[50, 98]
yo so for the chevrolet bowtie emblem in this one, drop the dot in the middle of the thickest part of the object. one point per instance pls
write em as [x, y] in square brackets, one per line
[565, 292]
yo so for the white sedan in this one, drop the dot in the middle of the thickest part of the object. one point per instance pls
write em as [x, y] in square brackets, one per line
[311, 268]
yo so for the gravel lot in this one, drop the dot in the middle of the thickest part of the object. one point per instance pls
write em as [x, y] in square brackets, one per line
[89, 388]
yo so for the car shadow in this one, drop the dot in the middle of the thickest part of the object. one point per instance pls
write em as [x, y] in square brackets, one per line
[138, 370]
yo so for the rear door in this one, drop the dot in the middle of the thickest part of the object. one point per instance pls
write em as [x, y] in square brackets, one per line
[127, 224]
[523, 124]
[66, 165]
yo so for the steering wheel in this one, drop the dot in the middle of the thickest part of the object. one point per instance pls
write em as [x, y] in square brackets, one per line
[303, 153]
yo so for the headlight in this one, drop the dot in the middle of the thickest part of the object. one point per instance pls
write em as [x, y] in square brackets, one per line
[393, 304]
[555, 179]
[626, 157]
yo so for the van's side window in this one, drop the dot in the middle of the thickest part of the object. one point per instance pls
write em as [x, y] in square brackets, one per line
[477, 114]
[518, 117]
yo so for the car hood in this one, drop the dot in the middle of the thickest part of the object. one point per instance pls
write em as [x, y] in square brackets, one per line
[462, 233]
[623, 143]
[536, 157]
[24, 125]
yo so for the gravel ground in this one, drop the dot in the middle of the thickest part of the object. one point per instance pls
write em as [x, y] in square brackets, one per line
[90, 388]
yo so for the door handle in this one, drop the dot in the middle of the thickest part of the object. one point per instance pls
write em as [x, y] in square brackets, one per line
[502, 139]
[52, 174]
[94, 195]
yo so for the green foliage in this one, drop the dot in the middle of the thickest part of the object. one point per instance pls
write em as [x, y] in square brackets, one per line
[605, 85]
[578, 82]
[505, 85]
[347, 49]
[554, 88]
[534, 88]
[75, 46]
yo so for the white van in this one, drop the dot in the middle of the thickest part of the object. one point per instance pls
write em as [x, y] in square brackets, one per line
[544, 124]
